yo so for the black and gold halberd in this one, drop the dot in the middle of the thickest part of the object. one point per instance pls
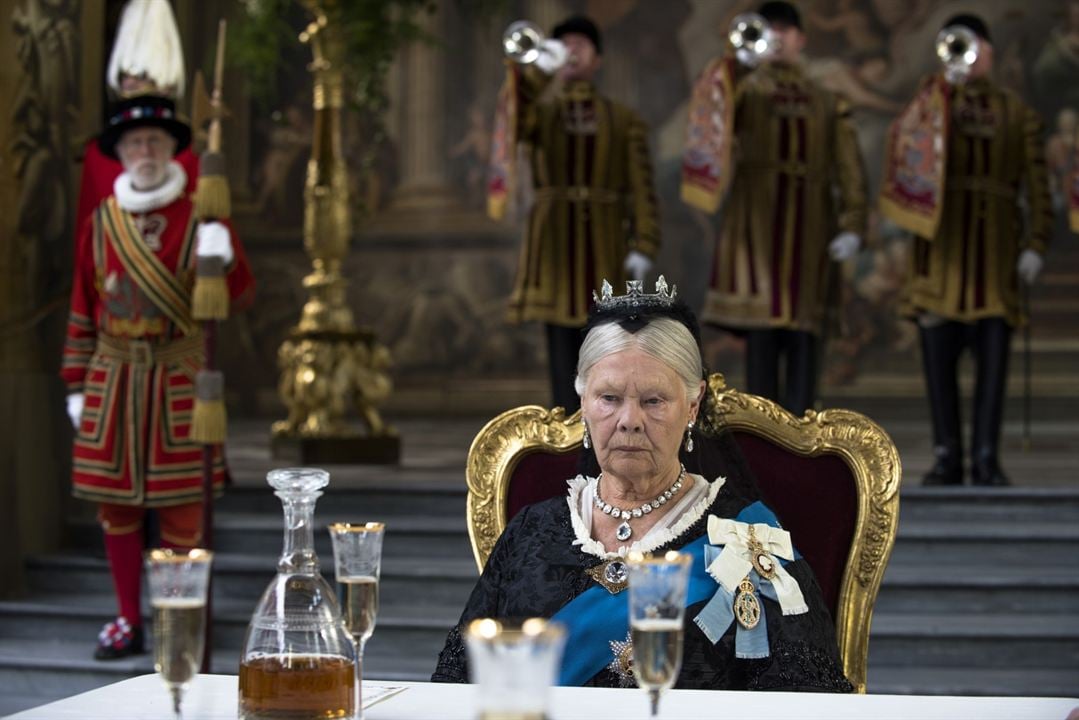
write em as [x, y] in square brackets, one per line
[861, 443]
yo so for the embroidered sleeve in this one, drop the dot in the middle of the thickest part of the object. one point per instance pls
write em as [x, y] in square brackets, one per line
[850, 173]
[1036, 182]
[81, 332]
[645, 208]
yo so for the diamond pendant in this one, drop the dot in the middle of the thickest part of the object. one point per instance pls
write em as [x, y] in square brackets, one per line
[624, 531]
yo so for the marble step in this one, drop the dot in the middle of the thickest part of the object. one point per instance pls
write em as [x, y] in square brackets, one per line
[963, 542]
[895, 680]
[975, 641]
[1006, 506]
[407, 536]
[419, 627]
[441, 582]
[984, 587]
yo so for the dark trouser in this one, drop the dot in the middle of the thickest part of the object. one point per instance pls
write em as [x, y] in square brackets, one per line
[563, 346]
[942, 345]
[763, 351]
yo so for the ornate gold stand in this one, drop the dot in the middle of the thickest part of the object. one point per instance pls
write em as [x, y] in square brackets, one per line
[327, 363]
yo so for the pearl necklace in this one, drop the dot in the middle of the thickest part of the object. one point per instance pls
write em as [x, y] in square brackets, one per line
[624, 531]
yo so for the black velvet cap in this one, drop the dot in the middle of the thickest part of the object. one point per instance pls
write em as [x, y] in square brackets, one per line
[777, 12]
[579, 25]
[143, 111]
[971, 22]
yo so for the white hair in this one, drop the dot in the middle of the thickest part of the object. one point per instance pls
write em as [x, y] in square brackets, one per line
[148, 45]
[664, 339]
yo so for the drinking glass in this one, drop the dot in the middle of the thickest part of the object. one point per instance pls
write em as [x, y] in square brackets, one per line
[357, 559]
[178, 582]
[657, 606]
[513, 666]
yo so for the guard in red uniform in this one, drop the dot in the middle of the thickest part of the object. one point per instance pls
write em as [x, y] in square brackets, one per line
[133, 350]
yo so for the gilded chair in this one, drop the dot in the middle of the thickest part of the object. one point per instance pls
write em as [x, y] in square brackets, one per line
[831, 477]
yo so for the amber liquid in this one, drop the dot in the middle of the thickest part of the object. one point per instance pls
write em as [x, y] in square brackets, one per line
[297, 687]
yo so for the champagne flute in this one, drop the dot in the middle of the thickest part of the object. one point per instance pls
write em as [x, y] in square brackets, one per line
[357, 556]
[178, 580]
[657, 606]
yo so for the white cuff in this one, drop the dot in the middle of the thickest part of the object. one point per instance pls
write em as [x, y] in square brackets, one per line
[214, 240]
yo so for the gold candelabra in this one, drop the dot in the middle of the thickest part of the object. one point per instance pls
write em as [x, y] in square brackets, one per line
[327, 363]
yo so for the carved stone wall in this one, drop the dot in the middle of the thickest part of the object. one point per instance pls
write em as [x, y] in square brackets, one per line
[42, 55]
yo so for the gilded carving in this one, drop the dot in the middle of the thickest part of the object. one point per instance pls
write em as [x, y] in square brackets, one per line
[863, 445]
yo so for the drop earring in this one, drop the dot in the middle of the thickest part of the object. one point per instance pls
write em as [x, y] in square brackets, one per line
[587, 439]
[689, 436]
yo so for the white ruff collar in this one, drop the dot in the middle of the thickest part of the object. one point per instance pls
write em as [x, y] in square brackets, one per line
[140, 201]
[595, 547]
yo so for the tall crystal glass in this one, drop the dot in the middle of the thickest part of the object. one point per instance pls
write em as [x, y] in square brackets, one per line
[657, 607]
[357, 556]
[299, 661]
[178, 582]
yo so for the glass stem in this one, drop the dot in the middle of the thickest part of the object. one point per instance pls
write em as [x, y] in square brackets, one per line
[654, 695]
[360, 642]
[177, 693]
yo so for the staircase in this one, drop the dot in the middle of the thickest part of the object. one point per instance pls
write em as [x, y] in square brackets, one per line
[981, 596]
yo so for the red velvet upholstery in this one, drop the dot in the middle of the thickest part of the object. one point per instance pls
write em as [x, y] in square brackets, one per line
[539, 476]
[814, 498]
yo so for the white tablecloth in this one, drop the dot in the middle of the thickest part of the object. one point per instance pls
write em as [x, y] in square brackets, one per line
[213, 697]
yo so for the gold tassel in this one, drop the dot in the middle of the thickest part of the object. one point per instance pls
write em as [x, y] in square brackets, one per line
[210, 296]
[209, 423]
[212, 198]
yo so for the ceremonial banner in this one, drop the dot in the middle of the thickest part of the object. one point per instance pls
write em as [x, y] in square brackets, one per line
[503, 148]
[706, 163]
[912, 187]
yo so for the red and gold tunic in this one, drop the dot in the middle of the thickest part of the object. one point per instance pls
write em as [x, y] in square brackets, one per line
[594, 196]
[796, 180]
[965, 268]
[134, 350]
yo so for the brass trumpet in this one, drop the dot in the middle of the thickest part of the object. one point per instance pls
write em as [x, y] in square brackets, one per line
[752, 38]
[957, 49]
[522, 42]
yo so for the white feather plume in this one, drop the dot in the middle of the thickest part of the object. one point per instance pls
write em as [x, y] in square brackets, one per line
[148, 45]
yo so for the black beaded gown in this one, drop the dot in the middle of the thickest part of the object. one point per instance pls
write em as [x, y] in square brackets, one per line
[536, 568]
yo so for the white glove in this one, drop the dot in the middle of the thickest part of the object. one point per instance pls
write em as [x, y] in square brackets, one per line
[637, 264]
[844, 246]
[214, 240]
[75, 402]
[1029, 266]
[553, 55]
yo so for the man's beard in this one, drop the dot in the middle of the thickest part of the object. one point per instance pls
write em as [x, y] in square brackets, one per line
[148, 174]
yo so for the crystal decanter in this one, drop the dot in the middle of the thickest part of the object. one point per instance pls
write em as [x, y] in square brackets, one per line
[299, 660]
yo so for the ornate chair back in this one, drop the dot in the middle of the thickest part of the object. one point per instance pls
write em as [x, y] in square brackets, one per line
[832, 478]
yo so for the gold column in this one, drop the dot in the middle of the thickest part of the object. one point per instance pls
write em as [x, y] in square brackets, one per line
[327, 363]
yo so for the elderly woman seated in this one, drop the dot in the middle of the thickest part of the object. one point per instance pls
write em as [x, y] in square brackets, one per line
[641, 380]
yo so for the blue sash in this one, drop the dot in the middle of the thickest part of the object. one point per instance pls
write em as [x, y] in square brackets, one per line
[595, 618]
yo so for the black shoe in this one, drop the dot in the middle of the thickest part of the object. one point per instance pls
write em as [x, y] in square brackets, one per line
[118, 639]
[987, 473]
[947, 470]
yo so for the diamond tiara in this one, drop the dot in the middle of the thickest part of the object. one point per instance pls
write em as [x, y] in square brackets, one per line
[635, 296]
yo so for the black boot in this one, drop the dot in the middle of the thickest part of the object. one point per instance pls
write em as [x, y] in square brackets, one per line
[941, 346]
[992, 337]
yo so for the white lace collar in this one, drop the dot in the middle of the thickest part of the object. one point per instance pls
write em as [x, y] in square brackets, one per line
[140, 201]
[583, 533]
